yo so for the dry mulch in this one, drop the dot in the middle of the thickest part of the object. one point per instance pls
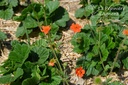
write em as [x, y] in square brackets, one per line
[9, 27]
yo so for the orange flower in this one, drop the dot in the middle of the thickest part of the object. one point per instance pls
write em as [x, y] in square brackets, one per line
[75, 27]
[52, 62]
[125, 31]
[80, 72]
[45, 29]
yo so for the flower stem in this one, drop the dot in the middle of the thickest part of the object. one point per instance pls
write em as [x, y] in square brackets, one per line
[100, 51]
[115, 59]
[55, 55]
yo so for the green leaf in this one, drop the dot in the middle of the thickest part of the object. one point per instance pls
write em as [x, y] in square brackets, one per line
[13, 3]
[88, 10]
[42, 53]
[107, 67]
[111, 44]
[89, 71]
[80, 13]
[34, 80]
[41, 42]
[95, 71]
[19, 54]
[24, 13]
[29, 22]
[125, 62]
[89, 56]
[81, 42]
[18, 73]
[6, 14]
[104, 37]
[108, 30]
[2, 35]
[30, 81]
[55, 80]
[104, 52]
[52, 6]
[95, 50]
[61, 17]
[54, 29]
[94, 19]
[20, 31]
[11, 77]
[3, 2]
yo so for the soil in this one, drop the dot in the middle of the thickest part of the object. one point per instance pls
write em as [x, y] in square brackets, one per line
[10, 27]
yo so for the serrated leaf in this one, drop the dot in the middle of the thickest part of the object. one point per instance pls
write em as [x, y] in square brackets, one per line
[19, 54]
[107, 67]
[95, 49]
[24, 13]
[104, 52]
[111, 44]
[6, 14]
[88, 10]
[11, 77]
[29, 22]
[54, 29]
[52, 6]
[13, 3]
[61, 17]
[30, 81]
[89, 56]
[81, 42]
[94, 20]
[89, 71]
[41, 42]
[95, 71]
[80, 13]
[20, 31]
[125, 62]
[104, 37]
[42, 53]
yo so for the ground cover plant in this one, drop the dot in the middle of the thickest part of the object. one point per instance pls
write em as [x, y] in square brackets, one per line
[37, 63]
[102, 42]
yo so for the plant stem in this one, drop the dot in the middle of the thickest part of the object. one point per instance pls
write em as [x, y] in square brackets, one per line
[54, 53]
[99, 51]
[115, 59]
[26, 32]
[56, 57]
[58, 63]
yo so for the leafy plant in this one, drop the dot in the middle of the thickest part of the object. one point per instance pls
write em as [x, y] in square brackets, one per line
[28, 65]
[37, 63]
[102, 42]
[7, 8]
[37, 14]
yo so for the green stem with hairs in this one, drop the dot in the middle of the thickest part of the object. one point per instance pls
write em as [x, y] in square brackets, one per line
[115, 59]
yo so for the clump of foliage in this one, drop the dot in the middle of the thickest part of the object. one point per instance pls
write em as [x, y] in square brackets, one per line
[102, 41]
[37, 63]
[7, 8]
